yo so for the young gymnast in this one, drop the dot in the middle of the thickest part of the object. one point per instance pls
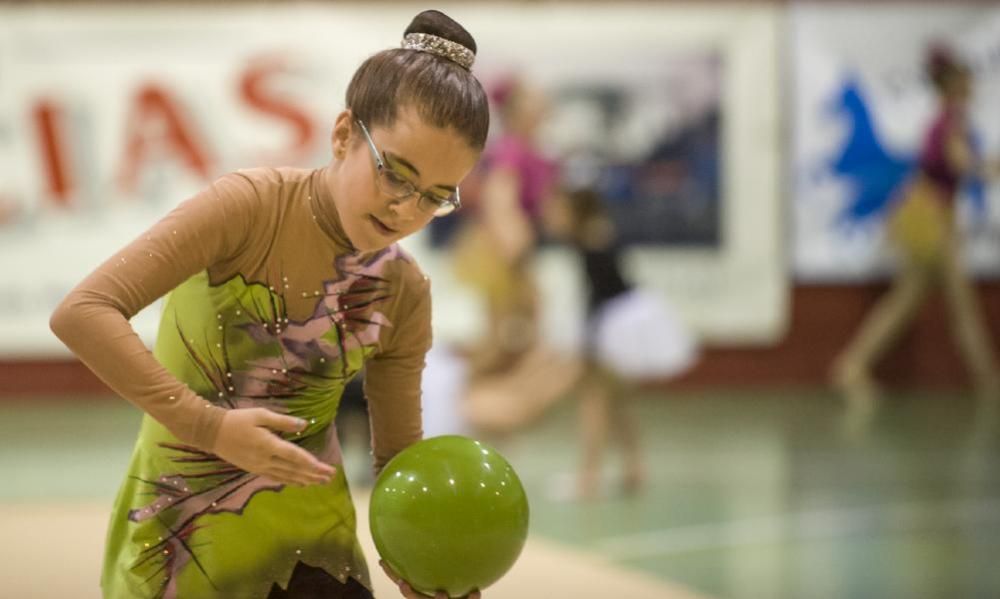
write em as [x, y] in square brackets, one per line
[281, 284]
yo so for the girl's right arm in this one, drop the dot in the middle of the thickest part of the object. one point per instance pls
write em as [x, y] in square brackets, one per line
[210, 228]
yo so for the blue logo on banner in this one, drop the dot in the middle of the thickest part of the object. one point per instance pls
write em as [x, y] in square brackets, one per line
[872, 171]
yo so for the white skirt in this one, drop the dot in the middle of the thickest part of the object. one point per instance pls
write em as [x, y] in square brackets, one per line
[639, 335]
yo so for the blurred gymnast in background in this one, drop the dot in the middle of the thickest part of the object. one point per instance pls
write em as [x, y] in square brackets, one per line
[923, 230]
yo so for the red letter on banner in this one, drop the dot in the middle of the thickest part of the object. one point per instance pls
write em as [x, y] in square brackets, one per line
[157, 118]
[253, 89]
[48, 119]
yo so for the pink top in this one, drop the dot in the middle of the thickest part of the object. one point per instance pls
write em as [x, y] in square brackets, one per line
[934, 156]
[537, 173]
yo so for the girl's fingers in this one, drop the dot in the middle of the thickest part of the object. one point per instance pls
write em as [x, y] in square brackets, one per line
[404, 587]
[299, 457]
[308, 475]
[282, 477]
[408, 591]
[389, 571]
[289, 475]
[280, 422]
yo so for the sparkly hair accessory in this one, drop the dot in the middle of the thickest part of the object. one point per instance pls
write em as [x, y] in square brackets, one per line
[453, 51]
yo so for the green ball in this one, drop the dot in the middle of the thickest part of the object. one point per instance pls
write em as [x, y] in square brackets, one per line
[449, 514]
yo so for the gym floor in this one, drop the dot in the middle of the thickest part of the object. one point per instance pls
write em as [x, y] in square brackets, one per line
[750, 494]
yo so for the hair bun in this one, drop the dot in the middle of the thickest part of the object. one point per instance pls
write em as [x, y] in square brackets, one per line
[940, 56]
[940, 61]
[436, 23]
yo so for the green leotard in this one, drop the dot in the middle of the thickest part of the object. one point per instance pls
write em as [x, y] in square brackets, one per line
[268, 306]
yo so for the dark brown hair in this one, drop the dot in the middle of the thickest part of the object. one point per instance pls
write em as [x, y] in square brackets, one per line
[941, 64]
[444, 93]
[586, 205]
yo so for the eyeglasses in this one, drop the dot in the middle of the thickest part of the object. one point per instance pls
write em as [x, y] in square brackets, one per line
[399, 187]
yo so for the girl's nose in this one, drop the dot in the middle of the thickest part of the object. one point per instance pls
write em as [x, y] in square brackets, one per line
[405, 207]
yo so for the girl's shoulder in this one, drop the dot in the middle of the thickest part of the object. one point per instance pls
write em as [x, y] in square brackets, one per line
[269, 179]
[406, 269]
[269, 191]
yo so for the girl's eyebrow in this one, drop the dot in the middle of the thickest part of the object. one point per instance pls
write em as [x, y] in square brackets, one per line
[402, 161]
[394, 159]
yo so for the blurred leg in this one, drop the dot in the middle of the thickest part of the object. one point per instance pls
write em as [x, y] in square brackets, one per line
[852, 369]
[626, 429]
[594, 416]
[968, 323]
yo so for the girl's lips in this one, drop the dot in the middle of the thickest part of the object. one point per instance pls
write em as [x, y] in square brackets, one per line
[381, 227]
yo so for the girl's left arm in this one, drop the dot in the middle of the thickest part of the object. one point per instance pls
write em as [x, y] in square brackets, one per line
[392, 377]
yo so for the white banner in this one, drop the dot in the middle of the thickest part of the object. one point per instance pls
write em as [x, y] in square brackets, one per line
[862, 107]
[111, 115]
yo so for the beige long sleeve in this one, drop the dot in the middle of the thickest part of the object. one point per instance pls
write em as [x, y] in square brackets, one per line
[93, 320]
[393, 377]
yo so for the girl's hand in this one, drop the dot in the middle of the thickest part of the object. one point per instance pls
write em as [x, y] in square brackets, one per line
[407, 591]
[246, 440]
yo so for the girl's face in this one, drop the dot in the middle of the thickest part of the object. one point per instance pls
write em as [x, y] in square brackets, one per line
[958, 86]
[557, 216]
[434, 160]
[955, 85]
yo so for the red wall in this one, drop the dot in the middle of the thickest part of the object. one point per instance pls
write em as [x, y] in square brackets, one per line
[822, 320]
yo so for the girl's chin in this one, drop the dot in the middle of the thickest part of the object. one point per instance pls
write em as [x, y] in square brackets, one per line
[369, 243]
[369, 237]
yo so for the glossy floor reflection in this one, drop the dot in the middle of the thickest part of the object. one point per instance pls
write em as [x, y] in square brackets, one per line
[790, 495]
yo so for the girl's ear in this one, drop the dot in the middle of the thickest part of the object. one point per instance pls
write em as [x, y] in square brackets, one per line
[340, 138]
